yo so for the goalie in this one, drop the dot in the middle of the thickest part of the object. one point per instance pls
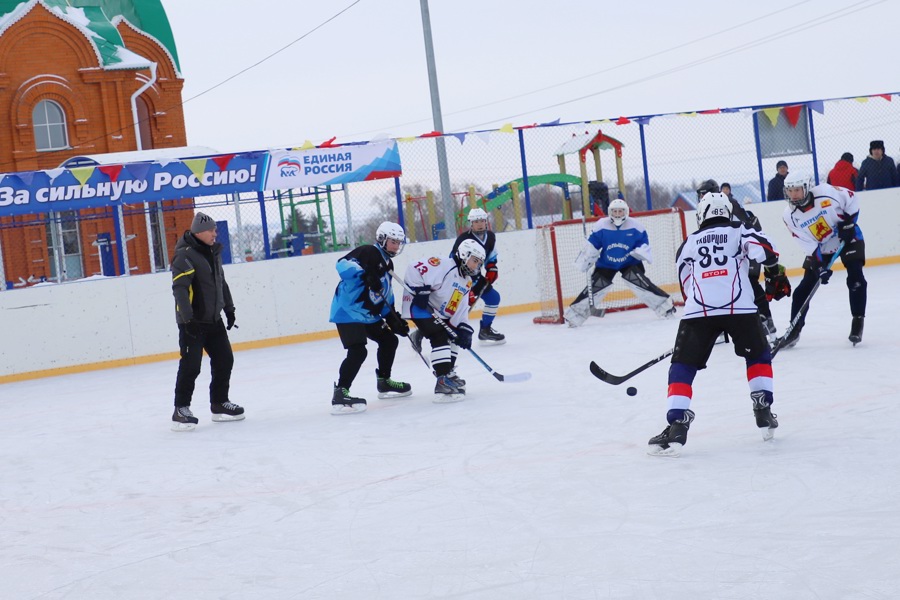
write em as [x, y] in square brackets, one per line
[617, 244]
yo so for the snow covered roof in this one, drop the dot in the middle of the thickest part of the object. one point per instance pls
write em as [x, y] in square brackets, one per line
[155, 155]
[578, 142]
[97, 20]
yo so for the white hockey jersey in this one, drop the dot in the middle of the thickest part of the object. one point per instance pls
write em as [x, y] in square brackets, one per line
[449, 290]
[712, 267]
[817, 226]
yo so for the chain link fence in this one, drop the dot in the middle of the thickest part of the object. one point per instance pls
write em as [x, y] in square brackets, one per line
[516, 173]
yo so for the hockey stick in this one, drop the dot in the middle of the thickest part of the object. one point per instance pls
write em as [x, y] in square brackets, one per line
[511, 378]
[411, 342]
[617, 379]
[779, 342]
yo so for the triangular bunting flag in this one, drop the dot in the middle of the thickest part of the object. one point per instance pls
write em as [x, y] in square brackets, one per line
[460, 136]
[551, 123]
[714, 111]
[307, 145]
[532, 126]
[197, 167]
[111, 171]
[431, 134]
[793, 113]
[138, 171]
[484, 136]
[82, 174]
[642, 120]
[688, 114]
[222, 161]
[25, 177]
[862, 99]
[167, 160]
[407, 139]
[772, 114]
[329, 143]
[623, 121]
[729, 110]
[885, 96]
[507, 128]
[54, 173]
[817, 105]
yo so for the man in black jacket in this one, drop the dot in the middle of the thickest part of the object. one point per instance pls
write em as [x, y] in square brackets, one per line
[201, 294]
[776, 184]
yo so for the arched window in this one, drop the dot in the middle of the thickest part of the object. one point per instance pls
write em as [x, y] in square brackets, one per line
[50, 132]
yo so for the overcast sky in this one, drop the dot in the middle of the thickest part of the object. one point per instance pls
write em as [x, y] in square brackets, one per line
[363, 73]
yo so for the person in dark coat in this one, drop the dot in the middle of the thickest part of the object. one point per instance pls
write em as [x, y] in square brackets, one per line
[844, 173]
[201, 295]
[877, 170]
[776, 184]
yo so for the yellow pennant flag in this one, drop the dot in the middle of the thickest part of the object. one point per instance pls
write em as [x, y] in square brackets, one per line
[507, 128]
[82, 174]
[307, 145]
[407, 139]
[862, 99]
[197, 167]
[772, 114]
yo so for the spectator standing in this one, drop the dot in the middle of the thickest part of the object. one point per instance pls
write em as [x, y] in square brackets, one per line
[877, 170]
[844, 174]
[776, 184]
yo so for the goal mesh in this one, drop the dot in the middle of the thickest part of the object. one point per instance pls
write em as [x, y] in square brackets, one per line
[559, 281]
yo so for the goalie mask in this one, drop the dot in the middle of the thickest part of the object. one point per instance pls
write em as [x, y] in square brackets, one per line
[796, 190]
[715, 205]
[469, 258]
[706, 187]
[478, 220]
[618, 212]
[390, 231]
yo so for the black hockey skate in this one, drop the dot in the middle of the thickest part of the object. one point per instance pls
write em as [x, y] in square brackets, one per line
[790, 341]
[388, 388]
[673, 437]
[183, 419]
[856, 330]
[447, 390]
[489, 336]
[226, 411]
[342, 403]
[460, 382]
[765, 419]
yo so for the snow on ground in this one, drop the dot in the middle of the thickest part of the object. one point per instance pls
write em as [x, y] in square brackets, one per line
[533, 490]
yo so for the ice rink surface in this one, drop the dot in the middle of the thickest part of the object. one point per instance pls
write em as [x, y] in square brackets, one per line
[533, 490]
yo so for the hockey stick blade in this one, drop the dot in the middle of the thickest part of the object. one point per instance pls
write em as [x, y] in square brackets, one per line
[611, 379]
[512, 377]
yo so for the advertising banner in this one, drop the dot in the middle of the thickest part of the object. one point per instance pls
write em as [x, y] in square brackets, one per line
[289, 169]
[37, 192]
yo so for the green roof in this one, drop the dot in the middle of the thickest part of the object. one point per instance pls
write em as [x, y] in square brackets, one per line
[97, 19]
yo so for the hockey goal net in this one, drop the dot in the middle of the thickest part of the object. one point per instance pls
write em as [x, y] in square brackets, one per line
[559, 281]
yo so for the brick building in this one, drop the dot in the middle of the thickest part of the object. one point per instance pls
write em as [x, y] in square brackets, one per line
[70, 73]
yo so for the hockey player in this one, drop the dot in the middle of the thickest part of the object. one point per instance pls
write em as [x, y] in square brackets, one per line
[438, 305]
[363, 308]
[483, 285]
[617, 244]
[712, 267]
[201, 295]
[820, 218]
[761, 296]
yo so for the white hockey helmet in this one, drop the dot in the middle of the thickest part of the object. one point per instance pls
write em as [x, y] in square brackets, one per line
[478, 215]
[798, 181]
[714, 205]
[618, 211]
[390, 231]
[466, 250]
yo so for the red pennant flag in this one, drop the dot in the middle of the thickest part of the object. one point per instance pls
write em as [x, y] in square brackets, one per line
[222, 161]
[623, 121]
[885, 96]
[431, 134]
[111, 171]
[527, 126]
[714, 111]
[329, 143]
[793, 113]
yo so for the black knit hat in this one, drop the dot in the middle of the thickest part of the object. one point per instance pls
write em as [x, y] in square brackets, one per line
[876, 145]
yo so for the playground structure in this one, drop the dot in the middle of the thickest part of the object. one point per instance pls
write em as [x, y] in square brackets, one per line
[295, 242]
[492, 202]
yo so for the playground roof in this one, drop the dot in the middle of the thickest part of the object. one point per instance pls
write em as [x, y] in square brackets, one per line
[588, 141]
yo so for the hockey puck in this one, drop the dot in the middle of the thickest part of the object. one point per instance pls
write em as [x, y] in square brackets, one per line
[632, 391]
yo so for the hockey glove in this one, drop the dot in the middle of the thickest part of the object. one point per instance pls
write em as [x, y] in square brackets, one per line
[420, 299]
[847, 229]
[229, 319]
[641, 253]
[397, 323]
[491, 272]
[473, 298]
[778, 286]
[824, 274]
[373, 281]
[464, 336]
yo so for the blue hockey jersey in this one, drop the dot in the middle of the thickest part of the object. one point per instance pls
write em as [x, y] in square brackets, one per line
[353, 301]
[615, 244]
